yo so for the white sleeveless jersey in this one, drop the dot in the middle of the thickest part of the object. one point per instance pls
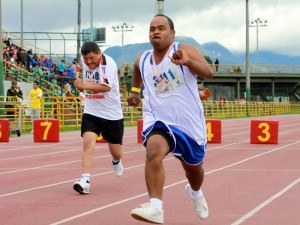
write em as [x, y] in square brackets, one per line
[180, 104]
[105, 105]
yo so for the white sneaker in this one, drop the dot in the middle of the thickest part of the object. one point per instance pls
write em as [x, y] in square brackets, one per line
[118, 168]
[148, 213]
[199, 205]
[82, 187]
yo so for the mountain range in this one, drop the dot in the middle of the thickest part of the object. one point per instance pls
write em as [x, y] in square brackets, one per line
[211, 49]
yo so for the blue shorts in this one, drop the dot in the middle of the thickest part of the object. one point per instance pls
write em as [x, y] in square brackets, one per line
[181, 145]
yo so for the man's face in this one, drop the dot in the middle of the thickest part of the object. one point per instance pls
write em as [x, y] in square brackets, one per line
[35, 86]
[92, 60]
[160, 33]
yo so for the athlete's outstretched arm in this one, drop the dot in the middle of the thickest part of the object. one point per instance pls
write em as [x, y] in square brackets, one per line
[190, 57]
[134, 98]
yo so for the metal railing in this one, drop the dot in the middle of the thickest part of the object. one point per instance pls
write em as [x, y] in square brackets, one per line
[258, 68]
[68, 110]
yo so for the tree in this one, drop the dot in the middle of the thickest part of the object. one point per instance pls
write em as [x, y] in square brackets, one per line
[208, 59]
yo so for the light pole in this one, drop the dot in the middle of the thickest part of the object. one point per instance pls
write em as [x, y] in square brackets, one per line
[122, 28]
[22, 36]
[160, 7]
[258, 23]
[1, 57]
[78, 29]
[248, 92]
[91, 19]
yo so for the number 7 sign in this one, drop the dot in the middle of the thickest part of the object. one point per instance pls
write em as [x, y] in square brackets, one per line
[46, 130]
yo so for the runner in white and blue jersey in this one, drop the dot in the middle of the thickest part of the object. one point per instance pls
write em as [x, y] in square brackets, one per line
[173, 118]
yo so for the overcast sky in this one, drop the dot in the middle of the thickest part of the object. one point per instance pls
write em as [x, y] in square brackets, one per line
[221, 21]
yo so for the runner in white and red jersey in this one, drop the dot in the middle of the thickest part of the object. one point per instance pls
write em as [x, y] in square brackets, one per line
[102, 111]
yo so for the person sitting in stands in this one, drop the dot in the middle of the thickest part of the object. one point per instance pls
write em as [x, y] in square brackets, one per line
[37, 70]
[61, 67]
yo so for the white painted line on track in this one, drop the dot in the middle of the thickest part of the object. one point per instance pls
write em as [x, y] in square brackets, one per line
[37, 155]
[59, 164]
[166, 187]
[75, 161]
[265, 203]
[95, 175]
[63, 182]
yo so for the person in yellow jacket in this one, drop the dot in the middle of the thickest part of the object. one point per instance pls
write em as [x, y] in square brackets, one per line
[35, 95]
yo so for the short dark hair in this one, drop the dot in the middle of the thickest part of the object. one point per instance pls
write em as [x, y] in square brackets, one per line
[90, 46]
[169, 20]
[36, 82]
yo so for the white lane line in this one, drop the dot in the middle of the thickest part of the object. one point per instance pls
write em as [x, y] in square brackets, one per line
[57, 152]
[63, 182]
[212, 171]
[253, 157]
[265, 203]
[48, 144]
[37, 155]
[50, 165]
[166, 187]
[59, 164]
[111, 205]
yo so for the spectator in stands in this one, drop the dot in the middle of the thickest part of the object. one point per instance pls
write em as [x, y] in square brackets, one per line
[61, 67]
[24, 58]
[9, 43]
[14, 94]
[48, 63]
[19, 53]
[12, 70]
[3, 44]
[70, 75]
[222, 100]
[102, 113]
[29, 52]
[77, 67]
[32, 60]
[74, 66]
[37, 70]
[35, 96]
[6, 56]
[61, 71]
[217, 65]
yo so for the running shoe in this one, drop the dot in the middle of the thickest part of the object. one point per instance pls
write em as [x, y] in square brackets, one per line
[199, 205]
[82, 187]
[118, 168]
[148, 213]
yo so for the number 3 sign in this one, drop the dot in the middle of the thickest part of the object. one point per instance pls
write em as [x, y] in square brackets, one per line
[264, 132]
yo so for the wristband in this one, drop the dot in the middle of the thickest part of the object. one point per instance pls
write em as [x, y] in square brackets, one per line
[135, 89]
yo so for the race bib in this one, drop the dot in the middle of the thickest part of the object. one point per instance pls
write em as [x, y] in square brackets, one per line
[163, 85]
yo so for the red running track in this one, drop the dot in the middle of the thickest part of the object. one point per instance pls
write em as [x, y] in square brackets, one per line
[250, 184]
